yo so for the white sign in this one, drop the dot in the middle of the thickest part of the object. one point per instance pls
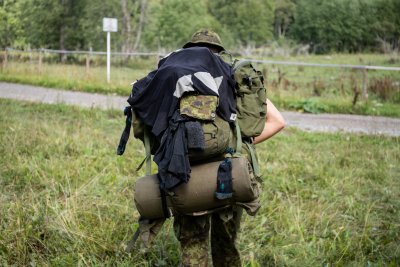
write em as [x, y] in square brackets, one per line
[110, 25]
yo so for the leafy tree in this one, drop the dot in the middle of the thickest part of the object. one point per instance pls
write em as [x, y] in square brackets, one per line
[249, 21]
[130, 15]
[68, 24]
[11, 33]
[329, 25]
[6, 35]
[91, 24]
[174, 21]
[283, 16]
[338, 25]
[52, 24]
[386, 24]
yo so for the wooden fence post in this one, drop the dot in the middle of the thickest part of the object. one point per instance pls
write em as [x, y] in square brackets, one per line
[40, 60]
[87, 64]
[5, 61]
[88, 57]
[365, 83]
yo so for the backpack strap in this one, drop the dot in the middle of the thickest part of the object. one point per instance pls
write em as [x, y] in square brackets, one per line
[147, 231]
[254, 162]
[130, 246]
[148, 150]
[125, 137]
[126, 132]
[238, 151]
[240, 63]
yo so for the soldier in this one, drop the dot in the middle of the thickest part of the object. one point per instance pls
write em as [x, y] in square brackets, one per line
[193, 231]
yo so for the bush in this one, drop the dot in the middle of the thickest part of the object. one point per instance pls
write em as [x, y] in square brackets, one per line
[386, 88]
[309, 106]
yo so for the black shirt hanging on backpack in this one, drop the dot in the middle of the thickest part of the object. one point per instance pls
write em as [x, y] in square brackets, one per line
[156, 96]
[155, 100]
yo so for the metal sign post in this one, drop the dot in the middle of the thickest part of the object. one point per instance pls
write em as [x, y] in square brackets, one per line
[109, 25]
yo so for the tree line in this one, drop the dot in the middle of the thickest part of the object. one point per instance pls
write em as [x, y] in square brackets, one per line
[324, 26]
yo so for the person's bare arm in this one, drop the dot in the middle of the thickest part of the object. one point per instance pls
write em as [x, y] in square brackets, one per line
[274, 122]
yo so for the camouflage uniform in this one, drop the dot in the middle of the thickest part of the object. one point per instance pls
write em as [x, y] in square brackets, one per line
[193, 235]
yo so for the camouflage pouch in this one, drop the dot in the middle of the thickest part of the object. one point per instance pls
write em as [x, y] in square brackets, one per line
[201, 107]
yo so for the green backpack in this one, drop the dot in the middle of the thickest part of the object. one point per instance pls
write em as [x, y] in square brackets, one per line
[251, 97]
[219, 135]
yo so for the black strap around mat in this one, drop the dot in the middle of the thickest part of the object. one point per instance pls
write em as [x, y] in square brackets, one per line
[131, 244]
[163, 194]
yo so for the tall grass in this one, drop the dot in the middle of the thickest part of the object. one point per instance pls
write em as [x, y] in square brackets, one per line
[66, 198]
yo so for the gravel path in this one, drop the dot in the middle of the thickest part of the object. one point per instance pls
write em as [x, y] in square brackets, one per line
[309, 122]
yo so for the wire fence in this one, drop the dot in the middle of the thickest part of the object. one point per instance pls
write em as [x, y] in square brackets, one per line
[67, 56]
[284, 77]
[337, 79]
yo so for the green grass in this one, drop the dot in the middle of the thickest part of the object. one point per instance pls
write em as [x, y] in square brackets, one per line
[330, 89]
[314, 104]
[66, 197]
[73, 77]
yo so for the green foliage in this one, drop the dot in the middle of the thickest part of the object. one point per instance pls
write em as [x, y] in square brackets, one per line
[66, 197]
[309, 106]
[46, 24]
[345, 25]
[386, 23]
[91, 23]
[329, 26]
[3, 27]
[249, 21]
[66, 24]
[339, 25]
[171, 29]
[11, 33]
[283, 17]
[386, 89]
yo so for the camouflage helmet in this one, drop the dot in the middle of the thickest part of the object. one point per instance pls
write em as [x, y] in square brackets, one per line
[205, 37]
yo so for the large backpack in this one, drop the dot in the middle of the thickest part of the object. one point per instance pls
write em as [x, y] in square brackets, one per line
[220, 137]
[250, 107]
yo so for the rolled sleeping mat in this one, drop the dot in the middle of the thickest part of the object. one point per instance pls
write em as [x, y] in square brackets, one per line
[198, 195]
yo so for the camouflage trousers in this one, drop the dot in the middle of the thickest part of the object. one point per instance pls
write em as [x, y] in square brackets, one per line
[193, 233]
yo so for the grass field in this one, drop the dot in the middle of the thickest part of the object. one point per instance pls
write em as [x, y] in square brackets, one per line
[308, 89]
[66, 198]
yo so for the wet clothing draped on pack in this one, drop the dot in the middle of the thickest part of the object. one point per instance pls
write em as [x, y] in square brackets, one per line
[172, 157]
[155, 99]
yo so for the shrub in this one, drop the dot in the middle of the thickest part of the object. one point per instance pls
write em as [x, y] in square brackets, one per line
[309, 106]
[386, 89]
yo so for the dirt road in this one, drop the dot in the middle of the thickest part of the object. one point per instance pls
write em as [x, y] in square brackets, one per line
[309, 122]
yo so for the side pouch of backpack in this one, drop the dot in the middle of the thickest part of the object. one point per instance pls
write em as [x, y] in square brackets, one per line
[216, 131]
[139, 132]
[251, 98]
[216, 136]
